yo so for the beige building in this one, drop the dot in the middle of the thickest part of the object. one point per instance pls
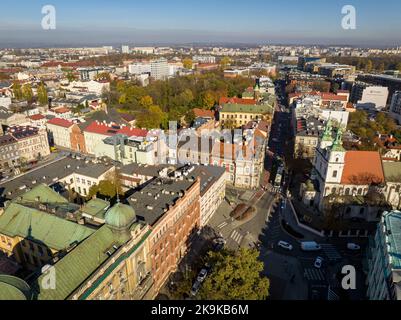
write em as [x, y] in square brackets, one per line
[238, 115]
[32, 142]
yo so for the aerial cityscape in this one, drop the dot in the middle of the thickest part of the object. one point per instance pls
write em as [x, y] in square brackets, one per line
[160, 151]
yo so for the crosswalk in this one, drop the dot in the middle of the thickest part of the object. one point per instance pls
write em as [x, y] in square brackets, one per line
[236, 236]
[222, 225]
[313, 274]
[331, 252]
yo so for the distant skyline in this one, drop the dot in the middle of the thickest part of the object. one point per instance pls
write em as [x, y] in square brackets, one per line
[101, 22]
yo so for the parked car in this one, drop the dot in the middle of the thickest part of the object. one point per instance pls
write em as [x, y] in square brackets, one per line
[310, 246]
[318, 262]
[285, 245]
[353, 247]
[195, 288]
[202, 275]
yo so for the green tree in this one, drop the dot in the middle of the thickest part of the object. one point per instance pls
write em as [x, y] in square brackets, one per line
[42, 94]
[154, 118]
[235, 276]
[70, 76]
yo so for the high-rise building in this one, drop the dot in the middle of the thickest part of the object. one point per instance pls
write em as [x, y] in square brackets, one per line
[159, 69]
[125, 49]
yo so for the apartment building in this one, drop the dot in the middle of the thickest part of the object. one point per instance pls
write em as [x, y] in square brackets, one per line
[60, 132]
[171, 206]
[395, 106]
[32, 142]
[9, 153]
[159, 69]
[240, 114]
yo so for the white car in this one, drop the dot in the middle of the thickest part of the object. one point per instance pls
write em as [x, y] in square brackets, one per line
[202, 275]
[353, 246]
[285, 245]
[318, 262]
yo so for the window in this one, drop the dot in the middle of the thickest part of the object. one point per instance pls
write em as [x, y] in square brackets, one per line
[335, 173]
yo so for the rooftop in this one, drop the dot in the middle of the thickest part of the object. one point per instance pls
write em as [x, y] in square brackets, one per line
[362, 168]
[242, 108]
[155, 199]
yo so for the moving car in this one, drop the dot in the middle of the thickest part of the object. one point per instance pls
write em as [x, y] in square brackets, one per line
[310, 246]
[318, 262]
[353, 246]
[202, 275]
[285, 245]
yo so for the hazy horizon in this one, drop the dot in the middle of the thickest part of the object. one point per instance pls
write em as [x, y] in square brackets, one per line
[177, 22]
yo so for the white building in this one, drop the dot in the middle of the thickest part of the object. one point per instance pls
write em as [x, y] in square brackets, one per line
[5, 102]
[204, 59]
[125, 49]
[139, 68]
[159, 69]
[60, 131]
[374, 96]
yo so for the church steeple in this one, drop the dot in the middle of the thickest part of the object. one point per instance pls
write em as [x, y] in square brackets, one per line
[338, 142]
[327, 134]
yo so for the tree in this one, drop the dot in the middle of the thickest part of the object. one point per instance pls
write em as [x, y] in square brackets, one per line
[187, 63]
[27, 92]
[369, 66]
[208, 100]
[70, 76]
[153, 118]
[17, 90]
[225, 62]
[398, 66]
[42, 94]
[146, 102]
[107, 188]
[235, 276]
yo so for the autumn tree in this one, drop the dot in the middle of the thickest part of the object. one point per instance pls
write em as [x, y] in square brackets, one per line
[107, 188]
[27, 93]
[154, 118]
[17, 91]
[235, 276]
[187, 63]
[42, 94]
[208, 100]
[225, 62]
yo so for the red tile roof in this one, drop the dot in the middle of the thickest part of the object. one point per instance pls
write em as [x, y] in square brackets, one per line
[60, 122]
[37, 117]
[236, 100]
[201, 113]
[362, 168]
[111, 129]
[62, 110]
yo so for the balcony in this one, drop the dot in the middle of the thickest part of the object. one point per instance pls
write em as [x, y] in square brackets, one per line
[142, 288]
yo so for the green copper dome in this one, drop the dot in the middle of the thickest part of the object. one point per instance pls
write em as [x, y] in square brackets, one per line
[120, 216]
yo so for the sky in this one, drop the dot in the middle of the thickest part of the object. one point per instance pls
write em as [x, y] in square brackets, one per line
[134, 22]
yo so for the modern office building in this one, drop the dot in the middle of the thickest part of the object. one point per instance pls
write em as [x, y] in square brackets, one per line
[365, 94]
[395, 106]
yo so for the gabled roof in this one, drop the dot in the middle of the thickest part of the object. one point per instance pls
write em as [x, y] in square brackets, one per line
[362, 168]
